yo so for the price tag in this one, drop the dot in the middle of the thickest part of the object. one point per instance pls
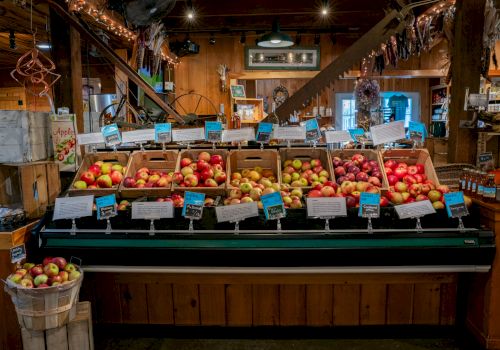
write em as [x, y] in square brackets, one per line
[312, 130]
[193, 134]
[193, 205]
[264, 132]
[17, 253]
[273, 206]
[111, 134]
[415, 209]
[369, 205]
[289, 133]
[236, 212]
[73, 207]
[337, 136]
[326, 207]
[417, 131]
[163, 132]
[90, 139]
[455, 204]
[152, 210]
[141, 135]
[106, 207]
[213, 131]
[238, 135]
[358, 135]
[386, 133]
[486, 161]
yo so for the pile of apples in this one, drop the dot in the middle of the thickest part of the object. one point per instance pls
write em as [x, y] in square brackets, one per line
[52, 272]
[357, 169]
[101, 175]
[351, 190]
[301, 174]
[146, 178]
[178, 200]
[206, 171]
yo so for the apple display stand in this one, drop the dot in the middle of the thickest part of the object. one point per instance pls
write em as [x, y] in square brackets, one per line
[72, 232]
[152, 228]
[108, 227]
[93, 148]
[418, 227]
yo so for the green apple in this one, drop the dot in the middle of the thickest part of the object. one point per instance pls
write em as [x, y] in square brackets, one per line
[81, 185]
[41, 279]
[297, 192]
[295, 176]
[106, 168]
[303, 182]
[297, 164]
[286, 178]
[245, 187]
[74, 275]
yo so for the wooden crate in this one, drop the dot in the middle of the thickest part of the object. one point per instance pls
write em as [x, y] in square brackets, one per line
[153, 160]
[34, 186]
[193, 154]
[412, 157]
[369, 154]
[306, 154]
[249, 159]
[76, 335]
[89, 159]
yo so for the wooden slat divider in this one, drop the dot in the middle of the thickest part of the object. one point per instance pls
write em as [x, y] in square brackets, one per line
[292, 305]
[186, 304]
[212, 305]
[266, 305]
[239, 304]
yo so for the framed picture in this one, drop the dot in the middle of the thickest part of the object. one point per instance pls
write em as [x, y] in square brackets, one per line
[286, 58]
[238, 91]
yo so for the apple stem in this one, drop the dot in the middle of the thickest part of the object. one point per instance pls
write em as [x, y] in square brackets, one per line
[73, 228]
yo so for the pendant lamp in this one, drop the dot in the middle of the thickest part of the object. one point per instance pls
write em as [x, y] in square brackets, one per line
[276, 38]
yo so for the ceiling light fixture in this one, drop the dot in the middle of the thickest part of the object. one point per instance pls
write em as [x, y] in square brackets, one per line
[324, 11]
[276, 38]
[211, 41]
[44, 46]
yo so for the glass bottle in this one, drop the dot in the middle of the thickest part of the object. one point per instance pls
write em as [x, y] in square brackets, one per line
[236, 119]
[463, 180]
[480, 185]
[490, 190]
[473, 183]
[221, 117]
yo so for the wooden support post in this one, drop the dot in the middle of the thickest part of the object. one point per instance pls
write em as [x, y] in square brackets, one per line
[76, 78]
[121, 80]
[466, 70]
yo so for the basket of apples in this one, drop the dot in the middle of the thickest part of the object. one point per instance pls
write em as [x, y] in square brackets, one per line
[251, 192]
[44, 294]
[360, 166]
[100, 174]
[149, 173]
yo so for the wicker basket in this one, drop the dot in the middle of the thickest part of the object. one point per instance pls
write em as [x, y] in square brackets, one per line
[45, 308]
[449, 174]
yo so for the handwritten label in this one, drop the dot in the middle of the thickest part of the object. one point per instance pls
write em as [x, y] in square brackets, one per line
[289, 133]
[213, 131]
[152, 210]
[193, 205]
[415, 209]
[337, 136]
[238, 135]
[163, 132]
[192, 134]
[236, 212]
[273, 206]
[264, 132]
[386, 133]
[141, 135]
[73, 207]
[326, 207]
[369, 205]
[455, 204]
[90, 139]
[17, 253]
[417, 131]
[106, 207]
[358, 135]
[111, 134]
[312, 130]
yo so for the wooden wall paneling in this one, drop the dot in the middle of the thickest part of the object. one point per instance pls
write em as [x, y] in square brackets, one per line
[292, 305]
[373, 304]
[266, 304]
[212, 304]
[448, 304]
[319, 301]
[426, 304]
[160, 303]
[108, 298]
[186, 304]
[346, 302]
[239, 304]
[399, 304]
[134, 304]
[76, 78]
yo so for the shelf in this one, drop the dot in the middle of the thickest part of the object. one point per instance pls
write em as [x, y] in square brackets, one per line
[250, 121]
[438, 104]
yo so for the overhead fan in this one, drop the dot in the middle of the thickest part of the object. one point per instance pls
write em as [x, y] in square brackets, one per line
[145, 12]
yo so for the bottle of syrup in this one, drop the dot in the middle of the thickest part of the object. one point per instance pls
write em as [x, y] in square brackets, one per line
[490, 190]
[235, 119]
[463, 180]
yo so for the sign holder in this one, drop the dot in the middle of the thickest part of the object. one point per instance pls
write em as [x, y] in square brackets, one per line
[72, 232]
[418, 226]
[108, 227]
[152, 227]
[327, 223]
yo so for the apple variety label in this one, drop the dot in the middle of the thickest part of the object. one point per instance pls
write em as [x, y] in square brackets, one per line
[238, 135]
[193, 205]
[326, 207]
[163, 132]
[17, 253]
[141, 135]
[415, 209]
[106, 206]
[213, 131]
[90, 139]
[455, 204]
[73, 207]
[337, 136]
[187, 135]
[369, 205]
[264, 132]
[417, 131]
[312, 130]
[152, 210]
[111, 134]
[236, 212]
[358, 135]
[273, 206]
[289, 133]
[386, 133]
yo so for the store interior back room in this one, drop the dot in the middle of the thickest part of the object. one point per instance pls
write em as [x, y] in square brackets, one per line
[191, 174]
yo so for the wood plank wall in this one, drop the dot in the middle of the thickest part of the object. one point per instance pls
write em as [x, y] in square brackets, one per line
[272, 300]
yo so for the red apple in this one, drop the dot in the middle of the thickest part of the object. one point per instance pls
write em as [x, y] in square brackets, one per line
[350, 177]
[388, 171]
[372, 189]
[375, 181]
[88, 177]
[47, 260]
[392, 179]
[362, 176]
[421, 197]
[314, 194]
[419, 178]
[409, 179]
[420, 168]
[434, 195]
[51, 269]
[353, 169]
[339, 171]
[177, 178]
[366, 167]
[359, 158]
[413, 170]
[129, 182]
[426, 188]
[350, 201]
[164, 181]
[185, 162]
[443, 189]
[116, 177]
[220, 177]
[395, 197]
[204, 156]
[143, 169]
[95, 169]
[336, 161]
[210, 183]
[384, 202]
[56, 278]
[202, 165]
[415, 189]
[402, 165]
[328, 191]
[391, 163]
[60, 262]
[400, 172]
[141, 175]
[104, 181]
[317, 169]
[216, 159]
[191, 180]
[36, 270]
[409, 200]
[206, 174]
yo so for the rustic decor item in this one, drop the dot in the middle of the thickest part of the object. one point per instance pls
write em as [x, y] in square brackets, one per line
[367, 95]
[280, 94]
[286, 58]
[222, 70]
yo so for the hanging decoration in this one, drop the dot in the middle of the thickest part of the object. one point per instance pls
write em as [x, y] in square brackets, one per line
[367, 95]
[490, 36]
[280, 95]
[222, 70]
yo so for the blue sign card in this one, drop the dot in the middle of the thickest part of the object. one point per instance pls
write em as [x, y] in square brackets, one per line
[106, 207]
[369, 205]
[417, 131]
[111, 134]
[264, 132]
[193, 205]
[358, 135]
[213, 131]
[455, 204]
[312, 130]
[273, 206]
[163, 132]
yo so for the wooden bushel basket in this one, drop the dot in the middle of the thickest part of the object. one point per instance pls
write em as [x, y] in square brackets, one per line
[45, 308]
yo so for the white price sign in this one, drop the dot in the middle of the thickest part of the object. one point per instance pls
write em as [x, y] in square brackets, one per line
[337, 136]
[152, 210]
[326, 207]
[141, 135]
[90, 139]
[236, 212]
[415, 209]
[386, 133]
[73, 207]
[289, 133]
[238, 135]
[193, 134]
